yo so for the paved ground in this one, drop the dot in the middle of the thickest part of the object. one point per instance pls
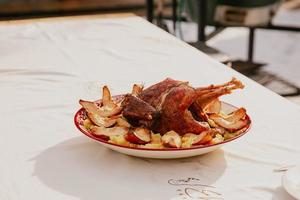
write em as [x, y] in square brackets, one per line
[280, 49]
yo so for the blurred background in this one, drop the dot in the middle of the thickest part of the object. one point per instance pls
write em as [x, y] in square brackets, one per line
[259, 38]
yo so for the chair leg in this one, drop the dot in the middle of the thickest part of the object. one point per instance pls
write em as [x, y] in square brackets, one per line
[174, 14]
[251, 44]
[149, 10]
[202, 5]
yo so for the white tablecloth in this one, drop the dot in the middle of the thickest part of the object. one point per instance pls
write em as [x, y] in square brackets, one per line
[46, 67]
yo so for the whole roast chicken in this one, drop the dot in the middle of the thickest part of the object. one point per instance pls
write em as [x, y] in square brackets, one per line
[173, 105]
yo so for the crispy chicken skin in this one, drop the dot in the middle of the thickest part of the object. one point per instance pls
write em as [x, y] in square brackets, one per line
[154, 94]
[134, 107]
[175, 114]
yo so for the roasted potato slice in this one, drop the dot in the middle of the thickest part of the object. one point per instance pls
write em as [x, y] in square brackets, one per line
[123, 122]
[213, 107]
[96, 130]
[109, 107]
[171, 139]
[232, 122]
[191, 139]
[101, 121]
[139, 136]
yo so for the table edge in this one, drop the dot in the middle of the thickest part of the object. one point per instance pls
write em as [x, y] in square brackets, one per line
[64, 18]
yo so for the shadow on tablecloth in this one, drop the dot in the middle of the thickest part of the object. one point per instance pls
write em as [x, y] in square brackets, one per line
[280, 194]
[84, 169]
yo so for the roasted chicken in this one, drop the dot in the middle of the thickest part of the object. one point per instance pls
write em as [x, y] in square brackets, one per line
[172, 108]
[175, 105]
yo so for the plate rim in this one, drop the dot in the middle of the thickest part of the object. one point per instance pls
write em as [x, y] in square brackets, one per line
[88, 134]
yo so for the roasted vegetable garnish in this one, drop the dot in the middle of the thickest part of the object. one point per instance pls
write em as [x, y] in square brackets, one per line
[172, 139]
[232, 122]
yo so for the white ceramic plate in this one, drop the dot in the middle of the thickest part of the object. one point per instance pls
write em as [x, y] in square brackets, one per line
[166, 153]
[291, 181]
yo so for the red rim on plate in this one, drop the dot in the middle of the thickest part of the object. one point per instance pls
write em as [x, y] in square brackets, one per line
[81, 112]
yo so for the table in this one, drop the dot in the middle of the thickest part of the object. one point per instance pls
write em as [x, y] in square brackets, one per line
[47, 65]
